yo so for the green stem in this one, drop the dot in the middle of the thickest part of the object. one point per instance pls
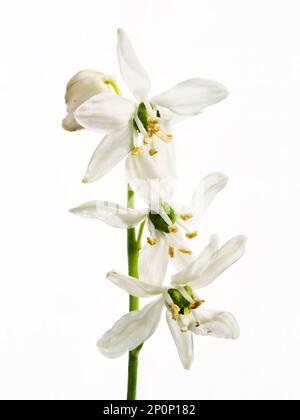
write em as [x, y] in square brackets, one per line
[133, 249]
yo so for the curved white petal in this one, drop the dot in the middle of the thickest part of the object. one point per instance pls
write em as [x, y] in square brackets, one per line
[133, 286]
[231, 252]
[133, 73]
[191, 96]
[153, 177]
[112, 149]
[198, 265]
[111, 213]
[181, 260]
[131, 330]
[217, 324]
[205, 192]
[105, 112]
[153, 261]
[183, 341]
[167, 115]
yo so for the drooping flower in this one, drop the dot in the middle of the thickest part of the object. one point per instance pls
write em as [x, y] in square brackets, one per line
[169, 225]
[134, 127]
[81, 87]
[185, 312]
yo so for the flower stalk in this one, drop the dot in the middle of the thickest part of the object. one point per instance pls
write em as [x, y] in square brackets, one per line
[133, 249]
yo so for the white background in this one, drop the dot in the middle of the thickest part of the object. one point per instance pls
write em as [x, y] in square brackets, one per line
[54, 300]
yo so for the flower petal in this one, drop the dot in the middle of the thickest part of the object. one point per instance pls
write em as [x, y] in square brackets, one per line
[105, 112]
[183, 341]
[231, 252]
[133, 286]
[205, 192]
[153, 177]
[217, 324]
[112, 149]
[131, 330]
[111, 213]
[191, 96]
[133, 73]
[198, 265]
[153, 261]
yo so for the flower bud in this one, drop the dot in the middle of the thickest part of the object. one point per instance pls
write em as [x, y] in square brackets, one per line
[80, 88]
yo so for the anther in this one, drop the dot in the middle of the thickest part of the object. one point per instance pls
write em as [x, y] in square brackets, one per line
[147, 139]
[153, 152]
[184, 329]
[164, 136]
[191, 235]
[186, 216]
[151, 240]
[153, 120]
[197, 324]
[174, 311]
[172, 251]
[197, 303]
[155, 128]
[173, 229]
[137, 150]
[185, 250]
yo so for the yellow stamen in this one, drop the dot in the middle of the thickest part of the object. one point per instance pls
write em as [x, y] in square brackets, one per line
[185, 250]
[191, 235]
[153, 152]
[184, 329]
[147, 139]
[174, 311]
[186, 216]
[164, 136]
[137, 150]
[173, 229]
[151, 240]
[196, 304]
[172, 251]
[153, 120]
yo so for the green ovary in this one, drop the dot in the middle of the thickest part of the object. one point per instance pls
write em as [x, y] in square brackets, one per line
[158, 222]
[180, 300]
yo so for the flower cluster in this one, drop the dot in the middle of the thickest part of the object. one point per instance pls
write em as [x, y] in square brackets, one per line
[140, 130]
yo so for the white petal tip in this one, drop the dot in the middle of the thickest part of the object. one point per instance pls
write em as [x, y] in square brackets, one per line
[102, 350]
[242, 238]
[225, 178]
[111, 274]
[225, 92]
[73, 210]
[85, 180]
[220, 178]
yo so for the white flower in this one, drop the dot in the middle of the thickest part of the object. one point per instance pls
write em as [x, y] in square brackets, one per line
[165, 223]
[137, 126]
[185, 313]
[80, 88]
